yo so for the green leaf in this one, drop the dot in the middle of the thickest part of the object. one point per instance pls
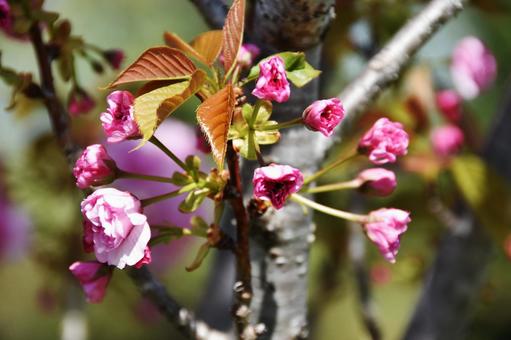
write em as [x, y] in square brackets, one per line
[298, 70]
[180, 179]
[193, 200]
[486, 193]
[201, 255]
[199, 226]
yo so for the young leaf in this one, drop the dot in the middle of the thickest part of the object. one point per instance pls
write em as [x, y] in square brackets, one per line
[208, 45]
[193, 200]
[233, 33]
[201, 255]
[214, 116]
[175, 41]
[153, 107]
[157, 63]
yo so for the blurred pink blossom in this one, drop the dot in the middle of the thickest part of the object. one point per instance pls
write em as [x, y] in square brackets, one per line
[114, 57]
[247, 54]
[384, 142]
[449, 103]
[447, 140]
[14, 231]
[80, 102]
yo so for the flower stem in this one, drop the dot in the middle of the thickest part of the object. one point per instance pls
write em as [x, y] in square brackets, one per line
[155, 199]
[282, 125]
[253, 118]
[353, 184]
[329, 211]
[169, 153]
[327, 168]
[125, 174]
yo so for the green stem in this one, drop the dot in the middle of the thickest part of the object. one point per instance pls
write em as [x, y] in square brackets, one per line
[155, 199]
[353, 184]
[329, 167]
[125, 174]
[329, 211]
[282, 125]
[169, 153]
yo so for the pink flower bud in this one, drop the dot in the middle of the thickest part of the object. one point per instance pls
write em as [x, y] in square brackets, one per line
[377, 181]
[114, 57]
[323, 115]
[272, 83]
[384, 142]
[447, 140]
[449, 103]
[247, 54]
[79, 102]
[118, 120]
[146, 259]
[94, 278]
[384, 228]
[276, 183]
[5, 16]
[117, 227]
[94, 167]
[473, 67]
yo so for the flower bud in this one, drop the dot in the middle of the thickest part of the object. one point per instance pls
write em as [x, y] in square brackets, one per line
[447, 140]
[247, 54]
[384, 142]
[94, 278]
[94, 167]
[323, 115]
[79, 102]
[377, 181]
[449, 104]
[114, 57]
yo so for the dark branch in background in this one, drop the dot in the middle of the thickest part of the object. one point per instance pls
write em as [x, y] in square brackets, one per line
[213, 11]
[460, 266]
[185, 320]
[61, 124]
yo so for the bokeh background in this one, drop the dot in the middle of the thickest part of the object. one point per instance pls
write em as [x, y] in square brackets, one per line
[38, 216]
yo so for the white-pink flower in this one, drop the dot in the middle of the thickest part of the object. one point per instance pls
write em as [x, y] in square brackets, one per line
[247, 54]
[272, 83]
[94, 167]
[384, 142]
[118, 120]
[94, 278]
[114, 227]
[276, 183]
[377, 181]
[323, 115]
[385, 227]
[473, 67]
[447, 140]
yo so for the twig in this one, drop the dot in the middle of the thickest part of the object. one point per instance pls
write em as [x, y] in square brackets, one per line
[185, 320]
[243, 285]
[213, 11]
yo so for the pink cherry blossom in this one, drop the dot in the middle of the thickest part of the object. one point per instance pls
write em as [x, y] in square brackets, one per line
[473, 67]
[272, 83]
[247, 54]
[384, 142]
[323, 115]
[5, 15]
[276, 183]
[94, 278]
[115, 224]
[80, 102]
[385, 227]
[449, 103]
[377, 181]
[118, 120]
[114, 57]
[94, 167]
[447, 140]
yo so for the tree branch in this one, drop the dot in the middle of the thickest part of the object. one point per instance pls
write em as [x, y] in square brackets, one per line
[213, 11]
[185, 320]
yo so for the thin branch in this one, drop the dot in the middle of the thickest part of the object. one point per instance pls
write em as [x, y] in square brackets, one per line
[185, 320]
[213, 11]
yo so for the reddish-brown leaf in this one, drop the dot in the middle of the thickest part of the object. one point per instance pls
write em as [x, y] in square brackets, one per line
[173, 40]
[214, 116]
[208, 45]
[157, 63]
[233, 33]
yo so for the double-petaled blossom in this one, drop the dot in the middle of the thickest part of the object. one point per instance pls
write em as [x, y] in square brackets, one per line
[272, 83]
[385, 227]
[377, 181]
[323, 115]
[247, 54]
[384, 142]
[80, 102]
[473, 67]
[276, 183]
[94, 167]
[94, 278]
[115, 228]
[114, 57]
[118, 120]
[449, 103]
[5, 15]
[447, 140]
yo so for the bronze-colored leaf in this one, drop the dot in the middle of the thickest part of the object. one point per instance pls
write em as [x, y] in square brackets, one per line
[152, 108]
[157, 63]
[208, 45]
[175, 41]
[214, 116]
[233, 33]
